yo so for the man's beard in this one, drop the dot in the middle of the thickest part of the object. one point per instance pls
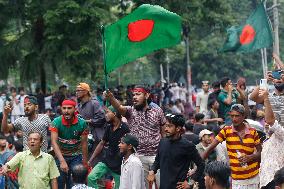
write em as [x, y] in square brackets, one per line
[27, 114]
[140, 107]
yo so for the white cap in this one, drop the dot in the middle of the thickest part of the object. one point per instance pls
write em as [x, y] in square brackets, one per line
[204, 132]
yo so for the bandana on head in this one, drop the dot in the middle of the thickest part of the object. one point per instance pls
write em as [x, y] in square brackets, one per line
[139, 90]
[69, 102]
[30, 99]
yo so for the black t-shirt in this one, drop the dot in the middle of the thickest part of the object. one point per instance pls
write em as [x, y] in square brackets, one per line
[198, 127]
[112, 138]
[191, 137]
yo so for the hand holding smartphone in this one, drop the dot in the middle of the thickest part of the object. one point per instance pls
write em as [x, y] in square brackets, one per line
[276, 74]
[263, 84]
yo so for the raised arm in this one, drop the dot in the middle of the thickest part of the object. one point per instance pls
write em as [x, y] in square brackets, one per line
[6, 128]
[228, 100]
[269, 115]
[254, 96]
[115, 103]
[279, 63]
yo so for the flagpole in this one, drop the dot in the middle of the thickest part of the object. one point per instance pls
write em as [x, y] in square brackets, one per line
[104, 59]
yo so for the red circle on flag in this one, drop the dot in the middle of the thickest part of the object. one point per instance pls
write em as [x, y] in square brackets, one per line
[140, 30]
[247, 35]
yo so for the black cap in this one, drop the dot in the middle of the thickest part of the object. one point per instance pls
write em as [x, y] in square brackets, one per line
[176, 119]
[130, 139]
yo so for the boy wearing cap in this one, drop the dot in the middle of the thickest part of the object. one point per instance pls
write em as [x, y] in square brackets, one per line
[132, 173]
[31, 122]
[69, 139]
[244, 148]
[174, 157]
[205, 137]
[111, 162]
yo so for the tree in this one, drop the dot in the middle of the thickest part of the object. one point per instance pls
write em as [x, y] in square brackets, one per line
[61, 35]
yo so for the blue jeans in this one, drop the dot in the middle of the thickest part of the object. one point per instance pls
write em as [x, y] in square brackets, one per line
[65, 178]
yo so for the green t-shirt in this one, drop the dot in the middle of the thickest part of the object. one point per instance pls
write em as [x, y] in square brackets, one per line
[69, 136]
[225, 108]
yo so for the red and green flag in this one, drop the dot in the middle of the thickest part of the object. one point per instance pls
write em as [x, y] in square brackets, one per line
[146, 29]
[254, 34]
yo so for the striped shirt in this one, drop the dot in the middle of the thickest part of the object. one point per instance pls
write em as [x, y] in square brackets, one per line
[277, 105]
[245, 145]
[40, 124]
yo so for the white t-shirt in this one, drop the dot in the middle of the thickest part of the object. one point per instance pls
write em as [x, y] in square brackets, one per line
[16, 111]
[176, 93]
[1, 105]
[182, 94]
[21, 99]
[202, 101]
[47, 102]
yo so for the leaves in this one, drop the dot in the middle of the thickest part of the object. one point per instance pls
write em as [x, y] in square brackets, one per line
[64, 38]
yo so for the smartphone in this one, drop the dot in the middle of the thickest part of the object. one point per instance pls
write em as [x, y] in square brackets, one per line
[263, 84]
[276, 74]
[8, 103]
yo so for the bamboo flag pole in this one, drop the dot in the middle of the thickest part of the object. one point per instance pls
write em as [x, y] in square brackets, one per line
[104, 60]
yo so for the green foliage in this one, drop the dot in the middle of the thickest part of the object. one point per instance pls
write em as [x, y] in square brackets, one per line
[42, 39]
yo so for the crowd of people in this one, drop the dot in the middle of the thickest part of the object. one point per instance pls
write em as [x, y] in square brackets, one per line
[144, 137]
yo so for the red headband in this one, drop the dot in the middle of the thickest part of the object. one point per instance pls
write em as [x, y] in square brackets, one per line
[139, 90]
[69, 102]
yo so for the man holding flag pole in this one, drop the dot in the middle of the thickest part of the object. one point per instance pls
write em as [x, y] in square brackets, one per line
[146, 29]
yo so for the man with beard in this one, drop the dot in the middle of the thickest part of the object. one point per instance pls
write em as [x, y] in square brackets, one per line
[244, 149]
[132, 174]
[69, 139]
[112, 160]
[276, 98]
[91, 111]
[31, 122]
[174, 157]
[144, 121]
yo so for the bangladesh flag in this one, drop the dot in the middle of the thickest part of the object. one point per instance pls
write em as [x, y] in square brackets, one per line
[254, 34]
[146, 29]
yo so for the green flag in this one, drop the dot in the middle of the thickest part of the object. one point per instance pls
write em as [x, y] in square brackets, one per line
[254, 34]
[146, 29]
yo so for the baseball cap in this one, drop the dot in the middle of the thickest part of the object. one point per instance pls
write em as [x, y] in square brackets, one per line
[130, 139]
[204, 132]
